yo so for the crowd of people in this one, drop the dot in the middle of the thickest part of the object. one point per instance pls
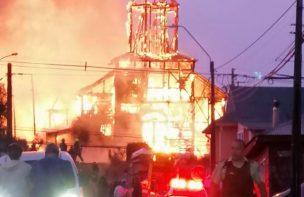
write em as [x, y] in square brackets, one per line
[51, 174]
[45, 177]
[75, 150]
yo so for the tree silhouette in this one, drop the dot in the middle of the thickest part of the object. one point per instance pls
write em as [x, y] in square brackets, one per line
[3, 101]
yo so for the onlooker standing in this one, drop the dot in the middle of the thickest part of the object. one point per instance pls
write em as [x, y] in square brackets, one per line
[72, 153]
[33, 147]
[14, 174]
[121, 190]
[51, 176]
[77, 149]
[237, 175]
[63, 146]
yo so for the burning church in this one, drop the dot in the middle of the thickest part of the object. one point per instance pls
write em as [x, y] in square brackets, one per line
[152, 94]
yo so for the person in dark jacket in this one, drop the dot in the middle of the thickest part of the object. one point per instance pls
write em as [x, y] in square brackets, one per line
[237, 175]
[71, 152]
[63, 146]
[77, 150]
[51, 176]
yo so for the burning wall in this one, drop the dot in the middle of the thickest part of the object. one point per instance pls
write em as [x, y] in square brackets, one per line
[153, 107]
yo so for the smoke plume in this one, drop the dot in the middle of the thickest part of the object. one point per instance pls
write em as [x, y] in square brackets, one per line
[57, 31]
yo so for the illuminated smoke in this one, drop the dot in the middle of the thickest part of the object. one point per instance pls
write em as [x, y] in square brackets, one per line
[58, 31]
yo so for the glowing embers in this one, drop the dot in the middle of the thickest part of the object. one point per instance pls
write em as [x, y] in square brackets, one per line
[130, 108]
[165, 94]
[77, 106]
[147, 28]
[154, 129]
[164, 87]
[164, 134]
[106, 129]
[89, 103]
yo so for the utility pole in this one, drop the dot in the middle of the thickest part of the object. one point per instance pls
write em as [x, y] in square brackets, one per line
[232, 77]
[9, 103]
[212, 103]
[296, 145]
[34, 105]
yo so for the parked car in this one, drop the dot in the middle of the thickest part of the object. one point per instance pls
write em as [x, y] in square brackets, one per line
[286, 193]
[32, 157]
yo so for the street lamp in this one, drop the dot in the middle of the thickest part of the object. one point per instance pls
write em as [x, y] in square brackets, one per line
[13, 54]
[212, 93]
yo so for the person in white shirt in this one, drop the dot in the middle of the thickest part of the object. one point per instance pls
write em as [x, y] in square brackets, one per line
[14, 174]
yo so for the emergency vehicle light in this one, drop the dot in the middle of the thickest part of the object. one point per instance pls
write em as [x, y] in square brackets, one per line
[181, 184]
[178, 183]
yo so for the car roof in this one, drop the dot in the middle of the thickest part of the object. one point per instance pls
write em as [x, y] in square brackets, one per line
[37, 155]
[33, 156]
[29, 156]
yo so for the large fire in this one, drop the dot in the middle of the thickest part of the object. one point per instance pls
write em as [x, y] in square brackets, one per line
[155, 92]
[56, 31]
[155, 95]
[170, 121]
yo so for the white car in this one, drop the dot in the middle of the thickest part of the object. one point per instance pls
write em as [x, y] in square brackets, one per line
[31, 157]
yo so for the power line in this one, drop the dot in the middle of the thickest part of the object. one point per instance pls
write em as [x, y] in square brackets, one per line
[244, 94]
[59, 74]
[290, 46]
[105, 69]
[282, 63]
[258, 39]
[71, 67]
[277, 68]
[52, 64]
[50, 68]
[58, 68]
[268, 76]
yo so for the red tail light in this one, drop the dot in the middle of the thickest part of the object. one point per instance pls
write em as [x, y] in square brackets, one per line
[181, 184]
